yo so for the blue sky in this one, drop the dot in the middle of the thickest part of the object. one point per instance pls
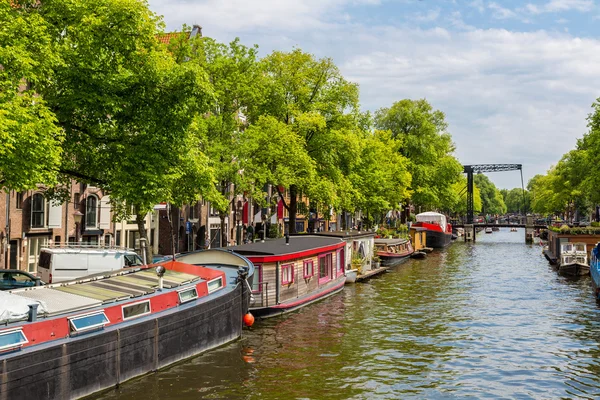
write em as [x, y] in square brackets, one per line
[516, 79]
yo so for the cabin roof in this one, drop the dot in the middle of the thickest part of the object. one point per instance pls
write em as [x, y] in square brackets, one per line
[418, 228]
[391, 241]
[278, 247]
[346, 234]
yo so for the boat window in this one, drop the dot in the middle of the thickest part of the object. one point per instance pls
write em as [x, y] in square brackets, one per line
[287, 274]
[13, 339]
[257, 279]
[136, 309]
[309, 269]
[88, 322]
[186, 295]
[215, 284]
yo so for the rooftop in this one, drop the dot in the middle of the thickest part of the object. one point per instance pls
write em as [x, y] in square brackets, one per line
[276, 247]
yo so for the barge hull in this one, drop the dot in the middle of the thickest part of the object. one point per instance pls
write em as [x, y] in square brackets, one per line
[78, 367]
[438, 240]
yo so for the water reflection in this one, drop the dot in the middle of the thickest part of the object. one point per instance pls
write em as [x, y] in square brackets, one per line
[484, 320]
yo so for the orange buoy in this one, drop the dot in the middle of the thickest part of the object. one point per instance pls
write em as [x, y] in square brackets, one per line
[248, 319]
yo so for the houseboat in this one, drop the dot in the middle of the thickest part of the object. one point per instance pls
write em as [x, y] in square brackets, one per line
[393, 251]
[360, 245]
[439, 231]
[293, 272]
[573, 259]
[70, 339]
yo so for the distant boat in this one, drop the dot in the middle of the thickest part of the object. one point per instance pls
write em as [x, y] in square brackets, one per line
[439, 231]
[573, 259]
[393, 251]
[513, 229]
[488, 230]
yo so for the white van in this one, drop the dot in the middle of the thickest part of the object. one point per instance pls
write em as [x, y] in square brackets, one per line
[63, 264]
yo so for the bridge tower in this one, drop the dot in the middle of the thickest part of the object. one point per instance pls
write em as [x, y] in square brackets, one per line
[470, 170]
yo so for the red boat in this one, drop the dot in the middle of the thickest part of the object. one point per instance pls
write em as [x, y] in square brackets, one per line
[439, 231]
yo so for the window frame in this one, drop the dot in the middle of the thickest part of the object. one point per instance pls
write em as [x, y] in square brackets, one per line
[138, 315]
[13, 346]
[19, 200]
[328, 257]
[305, 270]
[41, 212]
[213, 280]
[192, 288]
[283, 269]
[259, 269]
[88, 209]
[74, 329]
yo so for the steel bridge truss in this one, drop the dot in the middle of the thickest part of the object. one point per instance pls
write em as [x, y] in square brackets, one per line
[471, 169]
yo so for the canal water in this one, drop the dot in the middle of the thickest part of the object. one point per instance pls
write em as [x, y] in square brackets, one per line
[483, 321]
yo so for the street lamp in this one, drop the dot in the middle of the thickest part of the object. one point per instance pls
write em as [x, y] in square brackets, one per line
[77, 215]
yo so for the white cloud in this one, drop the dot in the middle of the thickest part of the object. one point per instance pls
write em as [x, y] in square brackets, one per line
[478, 5]
[519, 97]
[500, 12]
[553, 6]
[429, 16]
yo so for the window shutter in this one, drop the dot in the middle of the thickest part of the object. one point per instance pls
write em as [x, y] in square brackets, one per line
[55, 215]
[105, 212]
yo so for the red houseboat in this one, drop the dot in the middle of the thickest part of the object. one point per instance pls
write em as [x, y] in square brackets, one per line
[70, 339]
[293, 272]
[439, 231]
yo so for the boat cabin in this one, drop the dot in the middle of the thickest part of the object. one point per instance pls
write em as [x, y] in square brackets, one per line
[418, 237]
[573, 253]
[293, 272]
[358, 243]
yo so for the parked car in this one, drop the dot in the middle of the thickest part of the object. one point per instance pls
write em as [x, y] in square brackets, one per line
[63, 264]
[16, 279]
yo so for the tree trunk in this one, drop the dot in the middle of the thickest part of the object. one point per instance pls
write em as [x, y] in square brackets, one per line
[224, 243]
[144, 242]
[293, 208]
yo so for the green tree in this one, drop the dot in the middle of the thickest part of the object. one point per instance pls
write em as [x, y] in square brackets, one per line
[31, 149]
[460, 193]
[491, 198]
[126, 106]
[426, 143]
[311, 96]
[234, 73]
[516, 200]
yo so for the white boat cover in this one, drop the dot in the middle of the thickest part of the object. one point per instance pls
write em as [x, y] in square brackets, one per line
[433, 218]
[13, 307]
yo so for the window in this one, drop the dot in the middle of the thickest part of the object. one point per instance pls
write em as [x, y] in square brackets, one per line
[12, 339]
[136, 309]
[287, 274]
[107, 240]
[186, 295]
[76, 200]
[38, 208]
[118, 238]
[309, 269]
[88, 322]
[257, 279]
[19, 201]
[91, 212]
[215, 284]
[193, 211]
[325, 264]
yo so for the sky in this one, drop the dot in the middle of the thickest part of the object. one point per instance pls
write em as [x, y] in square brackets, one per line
[515, 79]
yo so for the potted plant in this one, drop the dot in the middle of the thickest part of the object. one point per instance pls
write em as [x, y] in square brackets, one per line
[357, 262]
[376, 261]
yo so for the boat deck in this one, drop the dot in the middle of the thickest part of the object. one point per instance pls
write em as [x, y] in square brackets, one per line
[102, 289]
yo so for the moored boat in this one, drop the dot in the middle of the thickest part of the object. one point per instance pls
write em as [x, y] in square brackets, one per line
[294, 272]
[71, 339]
[488, 230]
[573, 259]
[595, 270]
[439, 232]
[393, 251]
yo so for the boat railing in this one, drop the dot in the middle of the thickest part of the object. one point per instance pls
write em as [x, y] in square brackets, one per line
[261, 295]
[71, 245]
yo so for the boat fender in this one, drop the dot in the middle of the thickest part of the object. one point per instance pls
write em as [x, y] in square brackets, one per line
[248, 319]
